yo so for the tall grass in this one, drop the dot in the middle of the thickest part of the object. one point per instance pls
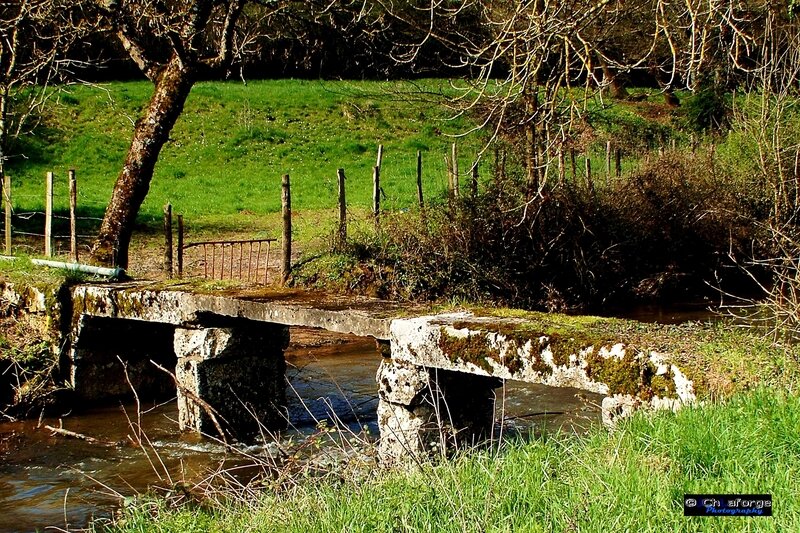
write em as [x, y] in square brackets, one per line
[630, 479]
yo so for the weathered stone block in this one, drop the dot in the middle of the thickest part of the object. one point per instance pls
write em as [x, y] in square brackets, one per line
[406, 434]
[401, 383]
[428, 411]
[211, 343]
[232, 379]
[243, 395]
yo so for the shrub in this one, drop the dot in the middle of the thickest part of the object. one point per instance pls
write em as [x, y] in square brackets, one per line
[707, 110]
[663, 233]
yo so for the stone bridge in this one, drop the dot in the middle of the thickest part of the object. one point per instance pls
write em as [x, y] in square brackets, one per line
[436, 380]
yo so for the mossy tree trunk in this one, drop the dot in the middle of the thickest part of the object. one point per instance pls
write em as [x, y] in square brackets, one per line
[172, 87]
[170, 43]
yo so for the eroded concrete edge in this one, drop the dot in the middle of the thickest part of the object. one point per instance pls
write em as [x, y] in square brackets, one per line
[183, 308]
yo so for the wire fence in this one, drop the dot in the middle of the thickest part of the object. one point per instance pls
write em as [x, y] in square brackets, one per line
[55, 232]
[45, 231]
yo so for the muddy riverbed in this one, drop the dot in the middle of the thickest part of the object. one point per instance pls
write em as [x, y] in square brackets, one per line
[48, 480]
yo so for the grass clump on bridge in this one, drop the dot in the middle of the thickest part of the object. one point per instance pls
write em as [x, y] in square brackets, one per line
[631, 479]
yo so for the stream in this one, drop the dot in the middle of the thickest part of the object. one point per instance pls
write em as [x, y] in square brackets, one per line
[61, 482]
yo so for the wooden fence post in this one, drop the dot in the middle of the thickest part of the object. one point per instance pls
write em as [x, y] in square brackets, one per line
[618, 162]
[475, 177]
[168, 240]
[589, 182]
[48, 216]
[454, 169]
[376, 195]
[73, 220]
[420, 197]
[608, 162]
[7, 205]
[286, 207]
[376, 190]
[574, 166]
[180, 248]
[449, 170]
[342, 210]
[500, 164]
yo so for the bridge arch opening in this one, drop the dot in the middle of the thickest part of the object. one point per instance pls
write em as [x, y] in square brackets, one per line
[112, 357]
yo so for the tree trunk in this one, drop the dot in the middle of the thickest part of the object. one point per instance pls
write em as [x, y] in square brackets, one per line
[618, 90]
[172, 87]
[4, 102]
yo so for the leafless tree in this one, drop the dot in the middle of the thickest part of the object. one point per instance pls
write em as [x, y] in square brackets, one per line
[769, 57]
[36, 37]
[535, 64]
[173, 43]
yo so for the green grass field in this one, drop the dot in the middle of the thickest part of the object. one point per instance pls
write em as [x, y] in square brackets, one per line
[233, 143]
[222, 166]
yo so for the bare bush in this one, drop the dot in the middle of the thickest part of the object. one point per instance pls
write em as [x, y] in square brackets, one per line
[666, 232]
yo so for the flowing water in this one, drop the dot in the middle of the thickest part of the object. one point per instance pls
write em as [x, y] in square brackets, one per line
[48, 480]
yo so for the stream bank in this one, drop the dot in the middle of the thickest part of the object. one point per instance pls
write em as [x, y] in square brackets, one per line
[49, 480]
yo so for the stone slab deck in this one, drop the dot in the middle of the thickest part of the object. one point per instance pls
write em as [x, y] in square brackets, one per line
[183, 307]
[533, 347]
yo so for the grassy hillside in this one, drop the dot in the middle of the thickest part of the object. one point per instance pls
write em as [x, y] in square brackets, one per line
[233, 142]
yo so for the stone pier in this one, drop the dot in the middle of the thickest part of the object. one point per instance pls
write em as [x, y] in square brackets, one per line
[231, 379]
[425, 411]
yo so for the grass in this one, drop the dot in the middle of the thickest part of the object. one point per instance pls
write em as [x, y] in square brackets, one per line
[21, 271]
[233, 142]
[223, 164]
[630, 479]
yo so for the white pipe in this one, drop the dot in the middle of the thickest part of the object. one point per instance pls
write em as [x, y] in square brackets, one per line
[77, 267]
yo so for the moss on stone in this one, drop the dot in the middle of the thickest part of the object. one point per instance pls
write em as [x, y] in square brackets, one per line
[540, 365]
[515, 363]
[663, 386]
[630, 375]
[384, 348]
[562, 347]
[562, 342]
[512, 359]
[622, 375]
[474, 348]
[129, 305]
